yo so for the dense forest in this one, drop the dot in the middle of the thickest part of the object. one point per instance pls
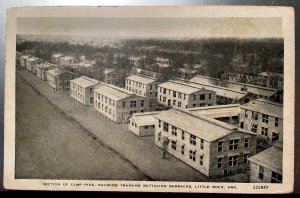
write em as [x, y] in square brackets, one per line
[217, 54]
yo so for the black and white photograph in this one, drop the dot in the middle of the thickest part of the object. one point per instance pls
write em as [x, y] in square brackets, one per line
[140, 99]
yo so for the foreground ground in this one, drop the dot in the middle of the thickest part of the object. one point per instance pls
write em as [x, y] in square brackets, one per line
[58, 138]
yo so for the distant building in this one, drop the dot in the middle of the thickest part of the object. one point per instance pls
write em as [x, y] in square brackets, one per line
[117, 103]
[59, 79]
[223, 95]
[111, 76]
[255, 91]
[272, 79]
[200, 68]
[142, 85]
[180, 95]
[43, 68]
[237, 77]
[137, 61]
[266, 166]
[67, 60]
[136, 70]
[23, 60]
[187, 72]
[55, 58]
[263, 118]
[163, 62]
[212, 147]
[31, 62]
[81, 89]
[142, 124]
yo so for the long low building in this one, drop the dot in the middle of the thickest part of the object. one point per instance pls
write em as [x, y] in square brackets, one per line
[223, 95]
[257, 91]
[117, 103]
[210, 146]
[81, 89]
[142, 124]
[266, 166]
[59, 79]
[179, 95]
[41, 70]
[231, 110]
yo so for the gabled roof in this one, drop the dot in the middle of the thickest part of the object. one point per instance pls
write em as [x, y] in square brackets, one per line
[84, 81]
[217, 111]
[113, 92]
[142, 79]
[57, 55]
[67, 57]
[31, 59]
[144, 119]
[203, 127]
[254, 89]
[270, 158]
[266, 107]
[220, 91]
[182, 88]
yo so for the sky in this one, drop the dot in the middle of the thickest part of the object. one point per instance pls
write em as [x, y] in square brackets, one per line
[120, 28]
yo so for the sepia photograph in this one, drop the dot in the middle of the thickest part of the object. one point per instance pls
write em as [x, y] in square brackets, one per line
[144, 99]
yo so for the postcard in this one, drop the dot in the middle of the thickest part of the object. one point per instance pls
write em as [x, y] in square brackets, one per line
[150, 99]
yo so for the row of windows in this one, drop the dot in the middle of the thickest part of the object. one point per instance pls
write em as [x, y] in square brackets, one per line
[105, 108]
[275, 177]
[178, 103]
[233, 144]
[179, 95]
[104, 99]
[264, 118]
[78, 95]
[140, 85]
[265, 132]
[139, 92]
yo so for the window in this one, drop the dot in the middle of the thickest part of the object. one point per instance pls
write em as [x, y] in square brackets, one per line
[276, 122]
[182, 135]
[201, 143]
[202, 96]
[233, 161]
[276, 178]
[245, 158]
[133, 103]
[174, 102]
[165, 91]
[174, 94]
[247, 140]
[220, 146]
[142, 103]
[201, 159]
[254, 128]
[150, 87]
[233, 144]
[182, 149]
[192, 139]
[194, 105]
[261, 172]
[159, 98]
[219, 162]
[254, 116]
[275, 136]
[194, 97]
[166, 127]
[173, 144]
[209, 96]
[145, 127]
[159, 123]
[192, 155]
[123, 104]
[164, 99]
[179, 104]
[174, 130]
[179, 95]
[242, 125]
[265, 118]
[264, 131]
[246, 113]
[159, 136]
